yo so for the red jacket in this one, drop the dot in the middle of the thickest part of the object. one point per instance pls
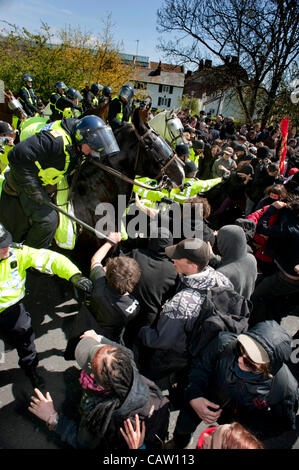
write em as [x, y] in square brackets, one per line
[260, 241]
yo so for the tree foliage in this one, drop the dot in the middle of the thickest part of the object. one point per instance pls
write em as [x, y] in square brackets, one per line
[76, 58]
[263, 36]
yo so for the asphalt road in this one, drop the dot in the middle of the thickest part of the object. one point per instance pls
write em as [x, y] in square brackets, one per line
[53, 309]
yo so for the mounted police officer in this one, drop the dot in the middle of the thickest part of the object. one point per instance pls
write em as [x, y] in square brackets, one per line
[15, 321]
[93, 95]
[60, 89]
[119, 108]
[42, 161]
[68, 105]
[30, 101]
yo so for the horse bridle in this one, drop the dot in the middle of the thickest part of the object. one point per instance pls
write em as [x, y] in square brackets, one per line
[164, 180]
[141, 141]
[174, 138]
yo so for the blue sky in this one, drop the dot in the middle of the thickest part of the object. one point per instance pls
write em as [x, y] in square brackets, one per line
[133, 19]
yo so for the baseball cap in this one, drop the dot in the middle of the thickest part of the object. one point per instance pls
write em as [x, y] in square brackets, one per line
[228, 150]
[84, 354]
[254, 350]
[193, 249]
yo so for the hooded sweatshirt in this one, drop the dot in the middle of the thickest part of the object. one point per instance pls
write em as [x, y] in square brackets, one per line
[236, 264]
[180, 313]
[158, 275]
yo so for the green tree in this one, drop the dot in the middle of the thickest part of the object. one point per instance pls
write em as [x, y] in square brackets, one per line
[189, 102]
[75, 57]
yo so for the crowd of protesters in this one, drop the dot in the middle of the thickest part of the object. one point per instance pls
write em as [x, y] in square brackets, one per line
[137, 329]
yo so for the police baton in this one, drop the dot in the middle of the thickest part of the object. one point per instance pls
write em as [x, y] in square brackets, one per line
[80, 222]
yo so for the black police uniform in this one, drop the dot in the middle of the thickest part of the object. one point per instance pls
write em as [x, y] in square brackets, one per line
[24, 214]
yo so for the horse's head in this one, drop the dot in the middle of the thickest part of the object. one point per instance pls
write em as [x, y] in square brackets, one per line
[15, 105]
[169, 127]
[157, 157]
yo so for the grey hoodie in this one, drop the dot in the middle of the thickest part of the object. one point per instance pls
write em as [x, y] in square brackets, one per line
[236, 263]
[180, 313]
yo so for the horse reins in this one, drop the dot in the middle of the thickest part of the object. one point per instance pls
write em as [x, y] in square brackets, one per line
[125, 178]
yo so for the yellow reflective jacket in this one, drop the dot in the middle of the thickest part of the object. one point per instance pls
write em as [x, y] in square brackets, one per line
[13, 271]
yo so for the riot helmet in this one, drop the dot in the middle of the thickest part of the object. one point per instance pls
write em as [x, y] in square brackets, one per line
[72, 94]
[126, 92]
[182, 150]
[107, 91]
[28, 78]
[96, 88]
[93, 131]
[5, 237]
[198, 144]
[60, 86]
[5, 128]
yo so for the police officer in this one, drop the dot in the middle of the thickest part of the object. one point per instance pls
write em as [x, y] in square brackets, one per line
[106, 93]
[93, 95]
[183, 151]
[60, 89]
[30, 101]
[7, 136]
[192, 185]
[41, 160]
[68, 105]
[119, 108]
[15, 321]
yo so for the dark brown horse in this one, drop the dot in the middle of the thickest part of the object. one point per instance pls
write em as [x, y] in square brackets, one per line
[11, 107]
[142, 152]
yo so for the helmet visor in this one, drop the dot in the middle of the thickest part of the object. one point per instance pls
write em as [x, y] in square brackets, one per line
[126, 93]
[103, 141]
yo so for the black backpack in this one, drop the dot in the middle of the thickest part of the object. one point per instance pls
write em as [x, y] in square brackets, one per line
[223, 309]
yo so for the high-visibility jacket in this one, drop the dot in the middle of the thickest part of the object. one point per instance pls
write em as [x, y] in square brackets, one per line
[193, 186]
[148, 194]
[13, 271]
[193, 156]
[65, 235]
[29, 100]
[52, 175]
[4, 159]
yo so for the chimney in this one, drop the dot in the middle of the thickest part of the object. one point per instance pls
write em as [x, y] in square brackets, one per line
[208, 63]
[201, 65]
[226, 60]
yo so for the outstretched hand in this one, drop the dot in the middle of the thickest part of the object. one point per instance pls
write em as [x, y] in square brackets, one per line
[133, 438]
[42, 406]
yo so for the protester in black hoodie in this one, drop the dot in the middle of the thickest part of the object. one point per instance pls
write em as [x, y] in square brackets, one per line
[157, 281]
[236, 263]
[242, 378]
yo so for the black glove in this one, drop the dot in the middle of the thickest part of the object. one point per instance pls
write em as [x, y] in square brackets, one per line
[37, 194]
[82, 283]
[167, 200]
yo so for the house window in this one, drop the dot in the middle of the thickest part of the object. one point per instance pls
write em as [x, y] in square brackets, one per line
[163, 101]
[140, 85]
[165, 89]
